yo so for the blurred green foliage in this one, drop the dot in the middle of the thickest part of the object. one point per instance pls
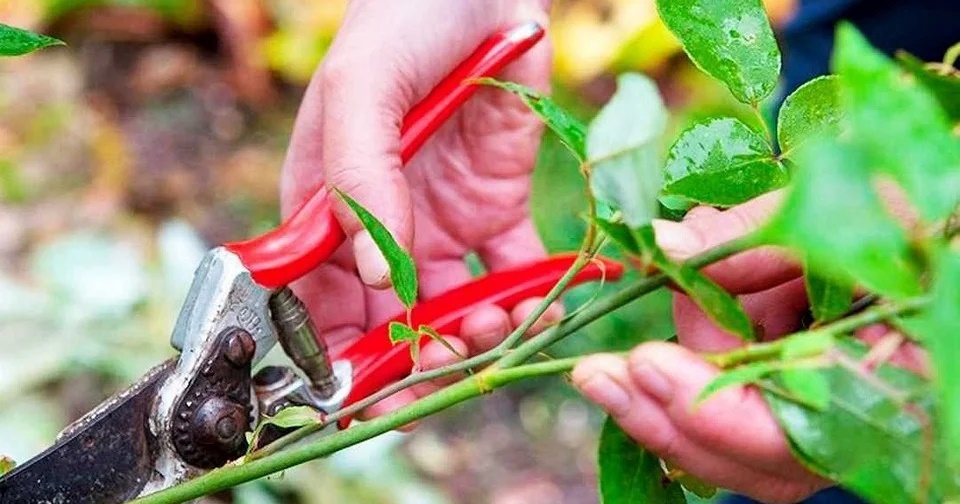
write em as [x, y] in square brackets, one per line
[185, 13]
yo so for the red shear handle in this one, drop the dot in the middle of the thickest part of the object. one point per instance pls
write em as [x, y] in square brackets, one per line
[312, 233]
[377, 362]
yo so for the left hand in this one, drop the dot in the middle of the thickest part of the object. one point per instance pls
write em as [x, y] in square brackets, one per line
[731, 440]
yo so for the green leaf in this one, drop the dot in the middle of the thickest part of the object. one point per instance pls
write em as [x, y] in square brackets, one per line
[689, 482]
[16, 41]
[944, 87]
[400, 332]
[677, 203]
[291, 416]
[619, 233]
[722, 308]
[294, 416]
[900, 126]
[629, 474]
[696, 486]
[809, 386]
[7, 464]
[937, 326]
[403, 271]
[814, 108]
[742, 375]
[833, 218]
[623, 148]
[730, 40]
[722, 162]
[866, 440]
[570, 131]
[829, 298]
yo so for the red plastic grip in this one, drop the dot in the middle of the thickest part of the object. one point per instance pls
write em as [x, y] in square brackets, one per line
[312, 234]
[377, 362]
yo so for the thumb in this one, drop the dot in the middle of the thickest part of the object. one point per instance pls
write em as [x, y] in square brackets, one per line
[752, 271]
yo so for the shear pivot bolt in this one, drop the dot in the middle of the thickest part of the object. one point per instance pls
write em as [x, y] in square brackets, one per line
[226, 428]
[220, 423]
[240, 348]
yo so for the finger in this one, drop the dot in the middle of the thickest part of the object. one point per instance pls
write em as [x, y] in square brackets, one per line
[696, 331]
[525, 309]
[369, 82]
[435, 354]
[364, 161]
[606, 380]
[744, 273]
[519, 246]
[361, 137]
[381, 305]
[485, 327]
[441, 275]
[673, 377]
[774, 312]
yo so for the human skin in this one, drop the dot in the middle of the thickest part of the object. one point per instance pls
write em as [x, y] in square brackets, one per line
[732, 439]
[468, 190]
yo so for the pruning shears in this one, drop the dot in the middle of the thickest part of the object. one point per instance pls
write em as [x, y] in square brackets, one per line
[192, 413]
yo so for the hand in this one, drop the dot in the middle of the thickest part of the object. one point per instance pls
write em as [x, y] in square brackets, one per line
[732, 439]
[466, 190]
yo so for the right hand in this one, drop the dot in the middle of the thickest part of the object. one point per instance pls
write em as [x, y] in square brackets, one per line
[466, 190]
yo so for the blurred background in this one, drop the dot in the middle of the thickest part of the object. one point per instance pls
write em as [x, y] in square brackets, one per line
[161, 128]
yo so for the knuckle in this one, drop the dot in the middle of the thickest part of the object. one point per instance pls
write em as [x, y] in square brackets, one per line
[666, 446]
[621, 413]
[365, 177]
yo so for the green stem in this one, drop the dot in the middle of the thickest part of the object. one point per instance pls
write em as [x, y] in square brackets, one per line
[763, 123]
[554, 294]
[771, 350]
[950, 57]
[232, 475]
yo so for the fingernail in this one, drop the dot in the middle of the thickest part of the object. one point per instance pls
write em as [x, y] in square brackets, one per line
[676, 239]
[651, 380]
[605, 391]
[371, 264]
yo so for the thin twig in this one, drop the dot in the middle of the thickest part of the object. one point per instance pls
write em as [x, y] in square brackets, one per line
[491, 378]
[235, 474]
[771, 349]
